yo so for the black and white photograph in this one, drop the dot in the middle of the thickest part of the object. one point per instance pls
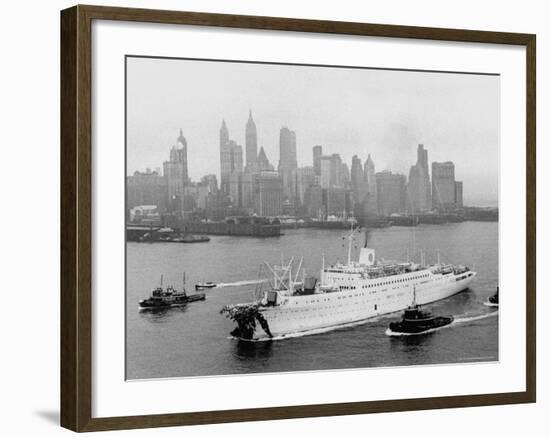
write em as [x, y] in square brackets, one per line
[287, 217]
[264, 218]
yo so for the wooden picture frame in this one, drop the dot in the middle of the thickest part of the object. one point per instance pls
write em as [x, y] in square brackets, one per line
[76, 217]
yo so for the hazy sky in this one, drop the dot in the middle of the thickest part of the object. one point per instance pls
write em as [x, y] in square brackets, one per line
[347, 111]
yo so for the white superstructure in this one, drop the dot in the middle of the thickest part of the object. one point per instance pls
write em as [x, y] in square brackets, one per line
[349, 293]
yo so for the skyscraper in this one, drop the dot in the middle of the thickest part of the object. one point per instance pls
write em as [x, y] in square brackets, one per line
[419, 197]
[458, 194]
[391, 192]
[246, 193]
[236, 157]
[317, 153]
[268, 193]
[251, 145]
[305, 177]
[211, 182]
[208, 186]
[233, 189]
[179, 154]
[371, 202]
[336, 201]
[176, 174]
[326, 166]
[443, 185]
[225, 157]
[231, 158]
[287, 161]
[263, 162]
[358, 183]
[343, 176]
[224, 134]
[334, 172]
[313, 202]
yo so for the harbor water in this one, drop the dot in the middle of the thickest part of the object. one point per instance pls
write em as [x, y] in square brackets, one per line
[194, 340]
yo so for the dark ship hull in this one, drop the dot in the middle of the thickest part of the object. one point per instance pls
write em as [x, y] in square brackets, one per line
[157, 304]
[204, 285]
[417, 321]
[493, 300]
[170, 302]
[420, 326]
[169, 298]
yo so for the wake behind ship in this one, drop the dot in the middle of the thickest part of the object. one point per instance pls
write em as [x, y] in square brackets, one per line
[347, 293]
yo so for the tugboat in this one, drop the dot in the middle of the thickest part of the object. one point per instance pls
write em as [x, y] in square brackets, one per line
[169, 298]
[416, 321]
[493, 300]
[203, 285]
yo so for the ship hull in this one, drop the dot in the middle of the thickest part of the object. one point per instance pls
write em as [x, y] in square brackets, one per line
[171, 302]
[420, 326]
[298, 314]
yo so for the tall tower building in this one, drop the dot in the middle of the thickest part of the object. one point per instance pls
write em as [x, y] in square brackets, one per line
[224, 134]
[267, 189]
[333, 172]
[287, 161]
[326, 172]
[391, 192]
[419, 196]
[317, 153]
[371, 201]
[251, 145]
[344, 176]
[179, 154]
[370, 175]
[263, 162]
[225, 157]
[232, 180]
[358, 183]
[305, 177]
[235, 157]
[337, 171]
[458, 194]
[443, 185]
[231, 158]
[176, 174]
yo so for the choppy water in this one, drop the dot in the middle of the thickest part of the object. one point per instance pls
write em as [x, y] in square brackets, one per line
[193, 341]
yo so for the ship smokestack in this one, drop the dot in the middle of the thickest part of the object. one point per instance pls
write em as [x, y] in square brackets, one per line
[367, 233]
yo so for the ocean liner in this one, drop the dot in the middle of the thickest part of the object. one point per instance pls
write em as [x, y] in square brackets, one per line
[346, 293]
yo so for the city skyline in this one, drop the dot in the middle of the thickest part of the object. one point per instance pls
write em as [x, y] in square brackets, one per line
[150, 138]
[236, 164]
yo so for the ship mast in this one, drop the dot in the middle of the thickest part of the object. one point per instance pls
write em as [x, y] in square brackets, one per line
[278, 279]
[323, 271]
[289, 272]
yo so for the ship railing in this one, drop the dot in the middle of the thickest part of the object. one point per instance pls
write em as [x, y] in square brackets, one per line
[457, 270]
[443, 269]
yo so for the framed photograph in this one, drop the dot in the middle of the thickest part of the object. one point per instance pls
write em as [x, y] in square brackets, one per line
[268, 218]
